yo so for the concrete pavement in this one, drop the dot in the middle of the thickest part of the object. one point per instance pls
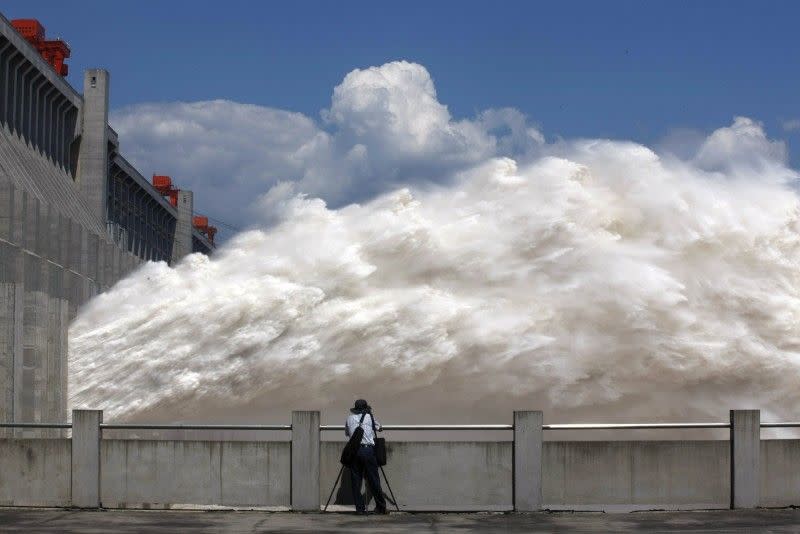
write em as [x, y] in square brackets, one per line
[125, 521]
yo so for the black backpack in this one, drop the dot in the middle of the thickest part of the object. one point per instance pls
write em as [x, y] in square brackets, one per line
[350, 450]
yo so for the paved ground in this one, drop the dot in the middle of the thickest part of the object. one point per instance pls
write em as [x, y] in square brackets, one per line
[124, 521]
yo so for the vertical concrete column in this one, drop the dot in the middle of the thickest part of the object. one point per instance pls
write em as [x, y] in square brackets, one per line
[182, 243]
[12, 301]
[57, 329]
[34, 338]
[93, 154]
[12, 307]
[528, 461]
[745, 458]
[305, 461]
[86, 458]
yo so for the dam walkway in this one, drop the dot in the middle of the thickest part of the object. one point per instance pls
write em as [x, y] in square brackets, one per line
[87, 521]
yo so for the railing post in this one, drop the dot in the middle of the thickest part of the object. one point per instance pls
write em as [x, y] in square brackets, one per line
[86, 458]
[305, 461]
[745, 458]
[527, 470]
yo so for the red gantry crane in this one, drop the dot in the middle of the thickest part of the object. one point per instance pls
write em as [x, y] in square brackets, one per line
[163, 184]
[53, 51]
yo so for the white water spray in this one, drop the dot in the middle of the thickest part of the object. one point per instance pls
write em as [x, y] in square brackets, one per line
[597, 281]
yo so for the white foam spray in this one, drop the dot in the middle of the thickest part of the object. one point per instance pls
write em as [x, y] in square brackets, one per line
[597, 282]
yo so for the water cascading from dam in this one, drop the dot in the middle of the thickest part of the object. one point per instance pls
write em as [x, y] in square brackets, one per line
[599, 282]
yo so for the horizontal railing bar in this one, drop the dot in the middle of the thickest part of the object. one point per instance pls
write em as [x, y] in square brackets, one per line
[569, 426]
[428, 427]
[144, 426]
[633, 426]
[35, 425]
[579, 426]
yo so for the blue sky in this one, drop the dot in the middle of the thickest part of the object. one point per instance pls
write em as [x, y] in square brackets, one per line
[626, 70]
[613, 69]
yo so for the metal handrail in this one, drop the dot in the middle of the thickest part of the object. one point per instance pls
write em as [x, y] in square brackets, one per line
[145, 426]
[326, 428]
[35, 425]
[428, 427]
[632, 426]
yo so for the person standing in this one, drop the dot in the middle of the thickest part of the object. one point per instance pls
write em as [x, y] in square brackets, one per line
[365, 464]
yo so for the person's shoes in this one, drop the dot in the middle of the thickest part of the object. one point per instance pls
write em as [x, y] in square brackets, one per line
[361, 512]
[382, 511]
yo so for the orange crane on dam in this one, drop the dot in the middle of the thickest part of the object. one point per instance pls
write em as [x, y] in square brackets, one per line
[163, 184]
[54, 51]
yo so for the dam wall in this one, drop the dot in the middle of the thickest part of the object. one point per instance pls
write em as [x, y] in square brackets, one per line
[75, 218]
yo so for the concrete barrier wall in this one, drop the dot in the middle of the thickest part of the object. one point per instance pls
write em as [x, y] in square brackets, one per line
[780, 472]
[160, 474]
[433, 475]
[35, 472]
[626, 475]
[90, 471]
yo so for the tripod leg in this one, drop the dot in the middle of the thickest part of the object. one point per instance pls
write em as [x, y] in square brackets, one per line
[390, 489]
[334, 488]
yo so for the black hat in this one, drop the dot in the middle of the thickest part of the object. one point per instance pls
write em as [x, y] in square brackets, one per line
[361, 406]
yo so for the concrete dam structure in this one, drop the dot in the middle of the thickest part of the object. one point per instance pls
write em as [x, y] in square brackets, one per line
[75, 216]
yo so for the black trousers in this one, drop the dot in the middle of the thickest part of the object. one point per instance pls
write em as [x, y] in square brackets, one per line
[366, 466]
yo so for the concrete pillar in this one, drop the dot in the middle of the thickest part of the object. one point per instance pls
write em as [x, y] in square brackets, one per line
[93, 153]
[58, 326]
[528, 461]
[35, 382]
[305, 461]
[12, 301]
[182, 243]
[745, 458]
[86, 458]
[12, 307]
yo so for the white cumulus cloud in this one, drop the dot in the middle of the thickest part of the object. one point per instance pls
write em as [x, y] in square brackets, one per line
[385, 127]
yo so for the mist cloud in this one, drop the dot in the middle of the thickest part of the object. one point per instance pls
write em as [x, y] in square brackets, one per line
[584, 277]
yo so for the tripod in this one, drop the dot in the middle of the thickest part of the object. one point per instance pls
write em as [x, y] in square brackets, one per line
[394, 500]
